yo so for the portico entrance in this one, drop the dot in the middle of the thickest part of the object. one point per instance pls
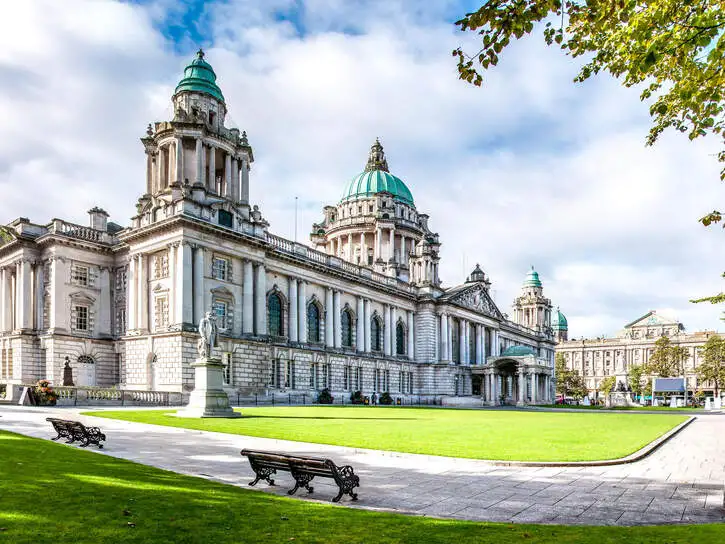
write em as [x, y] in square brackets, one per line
[513, 381]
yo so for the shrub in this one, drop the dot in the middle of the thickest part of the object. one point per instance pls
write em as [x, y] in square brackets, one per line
[357, 398]
[386, 399]
[44, 393]
[325, 397]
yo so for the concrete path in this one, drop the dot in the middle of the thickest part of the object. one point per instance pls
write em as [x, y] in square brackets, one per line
[682, 482]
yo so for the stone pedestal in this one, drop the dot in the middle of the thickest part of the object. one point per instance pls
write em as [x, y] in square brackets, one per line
[619, 399]
[208, 398]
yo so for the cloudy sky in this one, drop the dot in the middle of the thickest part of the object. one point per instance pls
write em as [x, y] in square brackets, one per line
[530, 169]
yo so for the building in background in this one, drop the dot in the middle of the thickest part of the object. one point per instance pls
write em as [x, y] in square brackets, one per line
[599, 358]
[361, 309]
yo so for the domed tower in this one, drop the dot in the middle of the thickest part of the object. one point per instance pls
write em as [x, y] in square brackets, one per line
[560, 327]
[194, 156]
[376, 224]
[531, 308]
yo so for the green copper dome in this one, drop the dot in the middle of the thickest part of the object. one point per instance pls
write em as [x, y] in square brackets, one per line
[377, 179]
[559, 323]
[199, 76]
[532, 279]
[518, 351]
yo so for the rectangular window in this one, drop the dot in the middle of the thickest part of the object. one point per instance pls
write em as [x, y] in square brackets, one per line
[219, 309]
[358, 378]
[326, 376]
[80, 275]
[161, 313]
[401, 382]
[274, 374]
[314, 377]
[227, 370]
[226, 219]
[289, 378]
[410, 382]
[346, 379]
[220, 269]
[161, 265]
[80, 318]
[386, 382]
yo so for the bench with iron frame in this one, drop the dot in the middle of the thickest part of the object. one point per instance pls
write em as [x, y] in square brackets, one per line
[303, 470]
[75, 430]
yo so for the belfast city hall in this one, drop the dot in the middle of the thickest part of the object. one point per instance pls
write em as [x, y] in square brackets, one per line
[360, 307]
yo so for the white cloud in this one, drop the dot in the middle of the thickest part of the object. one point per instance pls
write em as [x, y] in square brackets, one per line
[530, 169]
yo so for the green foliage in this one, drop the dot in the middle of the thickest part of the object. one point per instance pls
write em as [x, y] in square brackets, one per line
[57, 494]
[475, 434]
[386, 399]
[712, 366]
[325, 397]
[667, 359]
[607, 384]
[568, 382]
[356, 397]
[635, 379]
[5, 236]
[44, 393]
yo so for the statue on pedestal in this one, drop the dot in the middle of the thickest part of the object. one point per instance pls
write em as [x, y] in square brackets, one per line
[67, 373]
[207, 334]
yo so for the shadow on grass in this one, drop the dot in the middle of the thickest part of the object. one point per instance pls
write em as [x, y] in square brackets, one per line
[313, 418]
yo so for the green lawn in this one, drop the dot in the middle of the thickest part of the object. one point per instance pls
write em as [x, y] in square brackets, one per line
[477, 434]
[60, 494]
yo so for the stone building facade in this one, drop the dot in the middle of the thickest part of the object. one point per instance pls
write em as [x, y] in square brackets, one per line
[360, 308]
[599, 358]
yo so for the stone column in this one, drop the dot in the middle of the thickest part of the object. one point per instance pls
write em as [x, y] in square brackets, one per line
[479, 345]
[386, 332]
[350, 252]
[235, 180]
[198, 284]
[522, 388]
[368, 340]
[24, 291]
[293, 309]
[103, 324]
[378, 243]
[4, 305]
[391, 245]
[248, 298]
[363, 251]
[212, 168]
[244, 197]
[393, 331]
[184, 285]
[403, 253]
[40, 295]
[461, 341]
[449, 339]
[302, 309]
[260, 301]
[199, 162]
[203, 178]
[534, 386]
[329, 319]
[174, 250]
[337, 315]
[411, 336]
[131, 296]
[228, 175]
[179, 160]
[142, 313]
[444, 339]
[159, 182]
[360, 329]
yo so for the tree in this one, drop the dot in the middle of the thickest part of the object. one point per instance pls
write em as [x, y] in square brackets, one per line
[606, 385]
[667, 359]
[568, 382]
[634, 379]
[712, 367]
[673, 49]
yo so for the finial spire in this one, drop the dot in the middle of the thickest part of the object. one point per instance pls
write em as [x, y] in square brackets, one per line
[376, 159]
[200, 53]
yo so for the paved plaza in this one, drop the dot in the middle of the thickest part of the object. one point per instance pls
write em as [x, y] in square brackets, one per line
[681, 482]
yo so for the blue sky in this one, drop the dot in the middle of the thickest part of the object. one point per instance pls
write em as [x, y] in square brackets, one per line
[529, 169]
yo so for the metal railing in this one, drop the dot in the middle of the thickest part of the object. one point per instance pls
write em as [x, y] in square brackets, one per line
[298, 399]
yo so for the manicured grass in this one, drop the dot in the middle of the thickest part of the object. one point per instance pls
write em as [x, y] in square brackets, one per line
[59, 494]
[477, 434]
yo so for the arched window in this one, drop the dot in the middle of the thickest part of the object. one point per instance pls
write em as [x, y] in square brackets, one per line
[400, 339]
[375, 335]
[346, 322]
[274, 315]
[86, 359]
[313, 322]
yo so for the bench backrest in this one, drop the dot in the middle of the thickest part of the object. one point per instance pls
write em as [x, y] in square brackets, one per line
[312, 465]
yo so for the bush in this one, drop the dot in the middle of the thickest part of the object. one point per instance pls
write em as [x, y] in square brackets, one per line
[325, 397]
[44, 393]
[357, 398]
[386, 399]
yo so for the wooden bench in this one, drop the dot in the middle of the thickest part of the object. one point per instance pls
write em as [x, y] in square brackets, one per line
[75, 430]
[303, 470]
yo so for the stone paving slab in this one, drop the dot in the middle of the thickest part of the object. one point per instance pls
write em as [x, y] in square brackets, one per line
[681, 482]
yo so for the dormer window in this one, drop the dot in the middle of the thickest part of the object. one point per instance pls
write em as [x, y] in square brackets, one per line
[211, 117]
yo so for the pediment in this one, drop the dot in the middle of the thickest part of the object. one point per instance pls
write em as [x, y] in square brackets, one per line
[79, 297]
[476, 298]
[651, 319]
